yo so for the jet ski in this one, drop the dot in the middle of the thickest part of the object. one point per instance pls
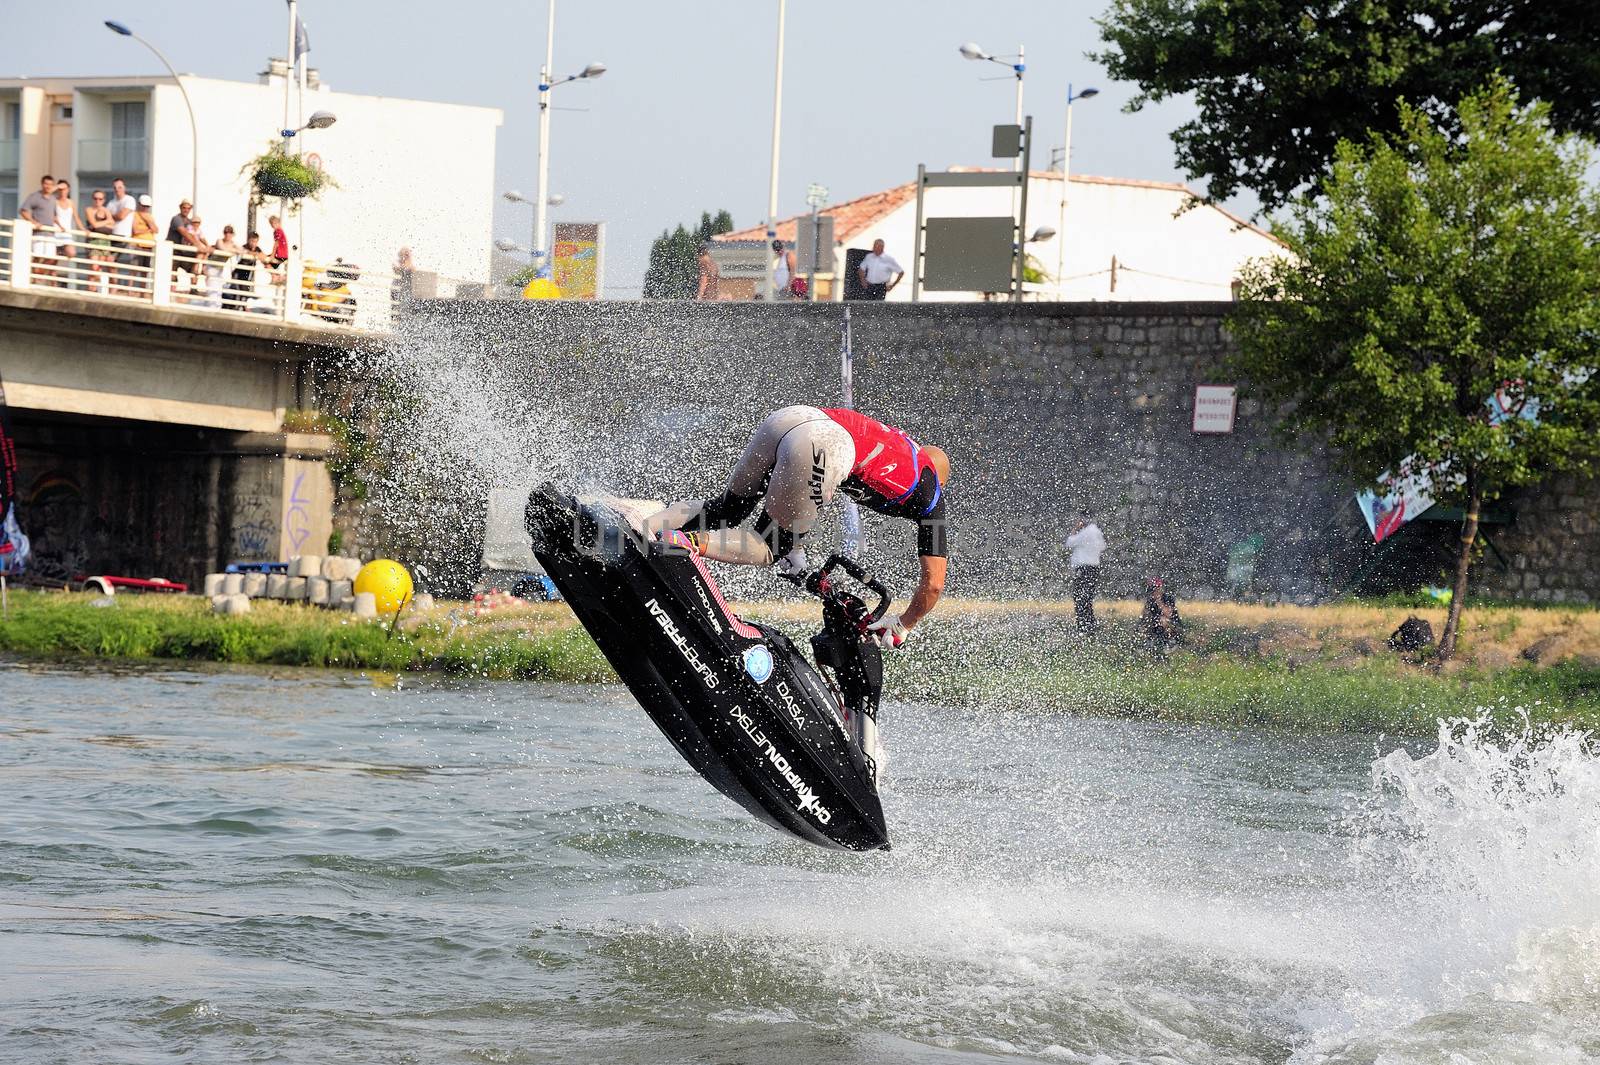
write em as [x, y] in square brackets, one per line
[794, 744]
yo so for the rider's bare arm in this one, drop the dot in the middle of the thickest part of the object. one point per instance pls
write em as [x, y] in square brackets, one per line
[929, 588]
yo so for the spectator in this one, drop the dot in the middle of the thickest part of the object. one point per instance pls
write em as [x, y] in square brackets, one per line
[40, 209]
[68, 221]
[710, 287]
[1160, 624]
[784, 278]
[401, 289]
[187, 246]
[122, 207]
[879, 273]
[1085, 542]
[243, 291]
[100, 223]
[280, 240]
[218, 257]
[142, 243]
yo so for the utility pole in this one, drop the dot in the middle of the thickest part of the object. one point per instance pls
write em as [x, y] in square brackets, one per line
[777, 129]
[541, 254]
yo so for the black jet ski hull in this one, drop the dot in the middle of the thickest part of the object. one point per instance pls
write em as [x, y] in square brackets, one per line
[739, 701]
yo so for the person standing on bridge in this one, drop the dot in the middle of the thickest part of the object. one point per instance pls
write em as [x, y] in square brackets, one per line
[280, 241]
[39, 209]
[122, 207]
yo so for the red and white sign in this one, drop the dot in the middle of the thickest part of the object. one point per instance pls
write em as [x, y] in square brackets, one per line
[1214, 408]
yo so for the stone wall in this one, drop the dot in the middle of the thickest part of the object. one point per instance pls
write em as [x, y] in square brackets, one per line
[1047, 410]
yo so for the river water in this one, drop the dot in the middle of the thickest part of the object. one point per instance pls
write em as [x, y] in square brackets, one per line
[311, 867]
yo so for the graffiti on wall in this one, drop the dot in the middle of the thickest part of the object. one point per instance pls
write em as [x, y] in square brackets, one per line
[297, 520]
[255, 527]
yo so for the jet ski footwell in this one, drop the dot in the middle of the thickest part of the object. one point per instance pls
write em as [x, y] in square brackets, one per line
[738, 700]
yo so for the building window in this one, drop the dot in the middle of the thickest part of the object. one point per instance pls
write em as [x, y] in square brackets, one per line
[10, 135]
[127, 135]
[62, 113]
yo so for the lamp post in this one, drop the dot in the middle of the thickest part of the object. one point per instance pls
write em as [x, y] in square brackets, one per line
[1066, 182]
[777, 129]
[555, 199]
[976, 53]
[194, 130]
[546, 83]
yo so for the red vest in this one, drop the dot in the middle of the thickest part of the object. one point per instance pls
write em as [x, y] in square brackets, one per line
[887, 460]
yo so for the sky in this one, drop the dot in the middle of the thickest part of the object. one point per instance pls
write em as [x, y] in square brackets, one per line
[682, 120]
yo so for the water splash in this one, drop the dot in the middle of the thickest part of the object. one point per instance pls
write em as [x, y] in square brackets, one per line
[1484, 860]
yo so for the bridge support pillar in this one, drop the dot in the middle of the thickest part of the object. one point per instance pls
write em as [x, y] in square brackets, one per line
[280, 501]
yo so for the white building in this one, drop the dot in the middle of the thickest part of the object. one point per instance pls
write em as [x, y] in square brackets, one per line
[410, 173]
[1116, 239]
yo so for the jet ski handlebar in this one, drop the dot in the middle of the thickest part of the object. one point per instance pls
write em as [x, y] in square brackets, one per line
[820, 584]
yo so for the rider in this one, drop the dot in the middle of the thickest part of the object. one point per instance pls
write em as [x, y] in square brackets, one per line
[796, 459]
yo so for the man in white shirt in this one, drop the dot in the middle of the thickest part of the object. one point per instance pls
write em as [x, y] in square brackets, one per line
[879, 273]
[1085, 542]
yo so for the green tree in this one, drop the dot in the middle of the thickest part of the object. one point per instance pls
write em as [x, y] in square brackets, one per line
[1279, 83]
[1438, 268]
[674, 270]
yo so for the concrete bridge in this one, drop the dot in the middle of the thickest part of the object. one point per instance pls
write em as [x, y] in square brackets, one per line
[151, 439]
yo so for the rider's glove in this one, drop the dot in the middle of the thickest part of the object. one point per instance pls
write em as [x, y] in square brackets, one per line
[888, 631]
[794, 564]
[689, 542]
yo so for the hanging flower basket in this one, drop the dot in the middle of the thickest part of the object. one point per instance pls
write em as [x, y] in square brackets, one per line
[278, 175]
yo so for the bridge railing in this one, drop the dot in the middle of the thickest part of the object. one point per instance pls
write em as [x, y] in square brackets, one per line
[334, 295]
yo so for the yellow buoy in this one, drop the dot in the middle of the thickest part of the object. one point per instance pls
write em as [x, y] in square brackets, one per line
[541, 288]
[388, 582]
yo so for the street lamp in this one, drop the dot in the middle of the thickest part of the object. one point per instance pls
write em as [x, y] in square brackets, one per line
[194, 130]
[546, 83]
[555, 199]
[1042, 233]
[976, 53]
[1066, 181]
[318, 120]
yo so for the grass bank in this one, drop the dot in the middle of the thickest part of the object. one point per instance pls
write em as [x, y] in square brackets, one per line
[1322, 668]
[538, 643]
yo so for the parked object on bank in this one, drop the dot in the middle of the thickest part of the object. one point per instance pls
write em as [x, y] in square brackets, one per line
[110, 584]
[256, 567]
[1413, 634]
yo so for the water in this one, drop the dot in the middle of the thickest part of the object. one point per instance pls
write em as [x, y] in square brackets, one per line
[309, 867]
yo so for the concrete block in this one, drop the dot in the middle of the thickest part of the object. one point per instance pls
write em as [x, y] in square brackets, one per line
[422, 602]
[339, 591]
[255, 585]
[214, 584]
[231, 604]
[352, 569]
[306, 566]
[332, 568]
[217, 601]
[233, 584]
[365, 605]
[317, 590]
[346, 603]
[277, 586]
[295, 589]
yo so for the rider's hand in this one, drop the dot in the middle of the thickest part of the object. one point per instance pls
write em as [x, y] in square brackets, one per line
[888, 631]
[794, 564]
